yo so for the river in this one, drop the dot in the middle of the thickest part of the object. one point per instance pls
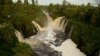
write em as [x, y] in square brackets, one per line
[69, 48]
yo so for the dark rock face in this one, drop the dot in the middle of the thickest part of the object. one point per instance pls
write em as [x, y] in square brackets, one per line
[45, 50]
[60, 37]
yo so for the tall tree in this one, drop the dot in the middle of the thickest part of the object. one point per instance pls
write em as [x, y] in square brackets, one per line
[98, 2]
[64, 2]
[36, 2]
[6, 6]
[19, 1]
[33, 2]
[26, 2]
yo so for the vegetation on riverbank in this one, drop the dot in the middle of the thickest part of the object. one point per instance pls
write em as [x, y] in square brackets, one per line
[85, 18]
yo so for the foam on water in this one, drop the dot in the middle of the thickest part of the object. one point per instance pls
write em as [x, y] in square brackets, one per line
[54, 35]
[68, 48]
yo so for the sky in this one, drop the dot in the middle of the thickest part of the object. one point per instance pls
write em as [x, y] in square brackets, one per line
[47, 2]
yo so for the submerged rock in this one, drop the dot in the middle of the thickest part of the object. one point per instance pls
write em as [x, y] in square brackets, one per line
[43, 49]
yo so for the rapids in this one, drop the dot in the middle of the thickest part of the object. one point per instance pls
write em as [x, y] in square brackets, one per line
[51, 39]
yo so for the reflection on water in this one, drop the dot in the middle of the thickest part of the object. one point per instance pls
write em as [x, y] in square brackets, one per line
[68, 48]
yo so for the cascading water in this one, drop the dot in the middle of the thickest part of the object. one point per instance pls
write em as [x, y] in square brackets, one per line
[68, 48]
[51, 39]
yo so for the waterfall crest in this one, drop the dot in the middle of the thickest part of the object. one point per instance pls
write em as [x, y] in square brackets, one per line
[51, 40]
[37, 26]
[57, 24]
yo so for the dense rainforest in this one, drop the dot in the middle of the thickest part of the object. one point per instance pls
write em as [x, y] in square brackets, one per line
[18, 15]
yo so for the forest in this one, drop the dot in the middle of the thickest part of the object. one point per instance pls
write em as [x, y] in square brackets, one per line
[84, 18]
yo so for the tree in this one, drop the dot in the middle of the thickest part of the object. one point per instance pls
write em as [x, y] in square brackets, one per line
[36, 2]
[6, 6]
[98, 2]
[26, 2]
[64, 2]
[8, 40]
[19, 1]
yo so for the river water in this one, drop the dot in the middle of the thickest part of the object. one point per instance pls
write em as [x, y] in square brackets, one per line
[69, 48]
[52, 34]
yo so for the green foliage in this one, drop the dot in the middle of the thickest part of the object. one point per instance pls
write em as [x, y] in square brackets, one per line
[86, 14]
[22, 50]
[9, 44]
[7, 40]
[87, 37]
[16, 16]
[22, 17]
[86, 25]
[85, 19]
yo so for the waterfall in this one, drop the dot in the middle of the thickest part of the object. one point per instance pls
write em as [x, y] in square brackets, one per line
[51, 40]
[37, 26]
[19, 35]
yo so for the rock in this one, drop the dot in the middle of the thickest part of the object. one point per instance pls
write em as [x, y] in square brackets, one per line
[42, 49]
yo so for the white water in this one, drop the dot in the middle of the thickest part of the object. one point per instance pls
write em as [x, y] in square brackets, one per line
[47, 34]
[68, 48]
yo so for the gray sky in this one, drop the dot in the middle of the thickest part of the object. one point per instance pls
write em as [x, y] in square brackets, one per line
[46, 2]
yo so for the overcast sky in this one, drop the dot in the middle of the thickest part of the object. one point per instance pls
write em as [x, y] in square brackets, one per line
[46, 2]
[70, 1]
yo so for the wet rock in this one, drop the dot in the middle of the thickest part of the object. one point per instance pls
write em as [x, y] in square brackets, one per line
[60, 38]
[45, 50]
